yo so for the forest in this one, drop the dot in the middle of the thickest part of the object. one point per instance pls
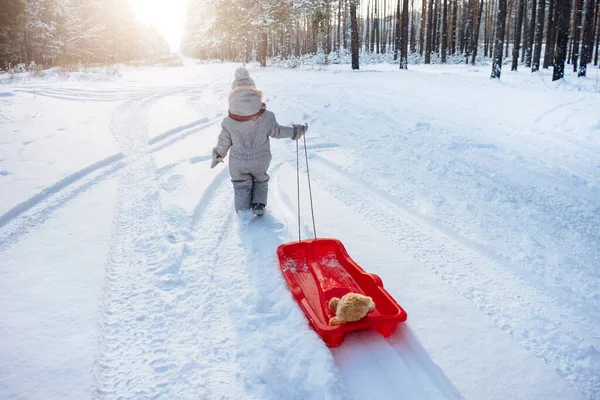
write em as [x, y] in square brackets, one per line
[521, 33]
[64, 32]
[526, 33]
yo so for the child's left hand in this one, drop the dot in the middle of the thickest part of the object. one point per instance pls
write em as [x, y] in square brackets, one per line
[216, 158]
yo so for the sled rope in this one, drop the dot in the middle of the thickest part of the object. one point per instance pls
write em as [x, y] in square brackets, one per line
[298, 182]
[312, 211]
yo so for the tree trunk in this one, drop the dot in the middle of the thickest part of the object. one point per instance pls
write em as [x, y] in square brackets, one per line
[476, 32]
[367, 31]
[531, 33]
[262, 54]
[404, 39]
[578, 14]
[498, 41]
[550, 34]
[377, 29]
[339, 27]
[469, 29]
[423, 26]
[517, 35]
[397, 35]
[436, 27]
[562, 38]
[588, 37]
[373, 28]
[444, 31]
[429, 32]
[597, 45]
[413, 36]
[486, 29]
[354, 34]
[539, 34]
[511, 7]
[453, 26]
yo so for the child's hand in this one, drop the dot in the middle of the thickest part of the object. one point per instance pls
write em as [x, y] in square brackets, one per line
[299, 131]
[216, 158]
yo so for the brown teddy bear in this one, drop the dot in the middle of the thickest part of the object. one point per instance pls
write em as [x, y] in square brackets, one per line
[351, 307]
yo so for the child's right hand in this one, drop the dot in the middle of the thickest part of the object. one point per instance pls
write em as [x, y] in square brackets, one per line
[216, 158]
[299, 130]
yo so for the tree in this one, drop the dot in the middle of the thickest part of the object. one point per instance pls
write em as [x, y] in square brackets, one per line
[476, 33]
[423, 25]
[562, 38]
[531, 32]
[499, 39]
[597, 45]
[539, 33]
[517, 35]
[398, 33]
[577, 17]
[551, 33]
[354, 34]
[429, 38]
[444, 31]
[404, 39]
[588, 38]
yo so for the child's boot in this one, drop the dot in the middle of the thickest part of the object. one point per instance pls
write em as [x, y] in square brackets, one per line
[258, 208]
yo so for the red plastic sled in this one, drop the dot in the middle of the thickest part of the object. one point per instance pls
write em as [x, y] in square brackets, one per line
[317, 270]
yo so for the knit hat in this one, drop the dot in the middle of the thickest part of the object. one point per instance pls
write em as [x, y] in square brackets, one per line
[242, 78]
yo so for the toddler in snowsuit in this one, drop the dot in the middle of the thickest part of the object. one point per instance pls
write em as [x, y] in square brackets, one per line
[245, 134]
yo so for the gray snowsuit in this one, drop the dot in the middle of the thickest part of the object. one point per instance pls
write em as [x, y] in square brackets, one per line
[245, 135]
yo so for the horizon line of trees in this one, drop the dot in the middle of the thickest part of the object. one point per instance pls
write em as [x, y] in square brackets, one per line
[535, 33]
[64, 32]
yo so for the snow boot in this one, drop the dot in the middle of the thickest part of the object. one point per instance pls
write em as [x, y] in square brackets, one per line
[258, 208]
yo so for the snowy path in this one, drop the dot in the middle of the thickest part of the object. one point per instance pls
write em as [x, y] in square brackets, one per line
[462, 227]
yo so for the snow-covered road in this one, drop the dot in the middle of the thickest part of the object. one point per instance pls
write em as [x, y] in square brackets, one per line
[125, 272]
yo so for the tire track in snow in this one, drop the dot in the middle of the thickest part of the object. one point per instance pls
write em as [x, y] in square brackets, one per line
[372, 366]
[102, 95]
[29, 214]
[144, 275]
[499, 295]
[142, 270]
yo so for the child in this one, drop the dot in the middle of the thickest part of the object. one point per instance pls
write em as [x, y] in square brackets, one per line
[246, 132]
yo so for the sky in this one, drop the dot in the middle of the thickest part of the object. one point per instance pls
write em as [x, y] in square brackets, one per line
[167, 16]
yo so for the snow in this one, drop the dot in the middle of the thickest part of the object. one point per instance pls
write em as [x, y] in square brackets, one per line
[126, 273]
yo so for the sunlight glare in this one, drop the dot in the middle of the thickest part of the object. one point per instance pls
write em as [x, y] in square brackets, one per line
[167, 16]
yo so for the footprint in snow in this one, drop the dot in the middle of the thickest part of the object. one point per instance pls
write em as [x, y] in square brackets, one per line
[3, 173]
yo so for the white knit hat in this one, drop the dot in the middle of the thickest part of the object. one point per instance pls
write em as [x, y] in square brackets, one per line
[242, 78]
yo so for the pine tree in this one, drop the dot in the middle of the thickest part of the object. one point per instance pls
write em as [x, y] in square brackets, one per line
[404, 38]
[429, 35]
[499, 39]
[444, 30]
[564, 11]
[588, 37]
[539, 33]
[354, 34]
[517, 35]
[531, 33]
[577, 18]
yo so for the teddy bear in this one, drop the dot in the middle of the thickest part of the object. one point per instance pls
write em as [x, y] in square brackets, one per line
[351, 307]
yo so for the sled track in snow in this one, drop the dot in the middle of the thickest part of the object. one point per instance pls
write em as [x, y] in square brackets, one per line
[29, 214]
[452, 258]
